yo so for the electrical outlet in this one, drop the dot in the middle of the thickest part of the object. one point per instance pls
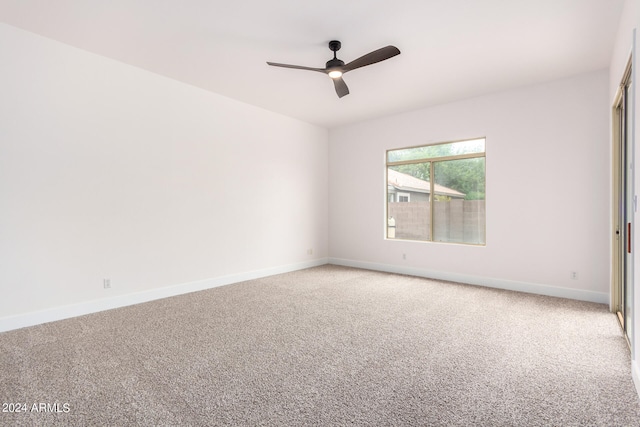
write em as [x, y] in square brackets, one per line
[574, 275]
[309, 251]
[404, 256]
[106, 283]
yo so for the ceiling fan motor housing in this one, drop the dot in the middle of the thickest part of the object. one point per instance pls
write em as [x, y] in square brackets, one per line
[334, 63]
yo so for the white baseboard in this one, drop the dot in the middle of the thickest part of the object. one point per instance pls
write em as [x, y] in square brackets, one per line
[65, 312]
[59, 313]
[512, 285]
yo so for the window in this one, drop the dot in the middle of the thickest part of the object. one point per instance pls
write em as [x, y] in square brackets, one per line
[437, 192]
[403, 197]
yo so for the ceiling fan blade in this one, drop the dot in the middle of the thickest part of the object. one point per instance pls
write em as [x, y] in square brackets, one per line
[341, 87]
[297, 67]
[372, 57]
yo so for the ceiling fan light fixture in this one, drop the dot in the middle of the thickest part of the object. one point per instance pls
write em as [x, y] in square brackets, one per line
[335, 67]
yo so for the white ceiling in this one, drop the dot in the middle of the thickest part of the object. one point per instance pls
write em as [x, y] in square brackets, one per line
[451, 49]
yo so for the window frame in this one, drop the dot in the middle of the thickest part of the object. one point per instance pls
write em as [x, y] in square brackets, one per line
[432, 161]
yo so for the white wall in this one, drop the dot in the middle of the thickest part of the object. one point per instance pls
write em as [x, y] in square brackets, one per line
[547, 189]
[109, 171]
[624, 46]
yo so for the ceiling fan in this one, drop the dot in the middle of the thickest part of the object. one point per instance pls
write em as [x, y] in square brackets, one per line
[335, 68]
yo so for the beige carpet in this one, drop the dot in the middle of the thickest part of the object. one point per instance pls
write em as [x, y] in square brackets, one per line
[326, 346]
